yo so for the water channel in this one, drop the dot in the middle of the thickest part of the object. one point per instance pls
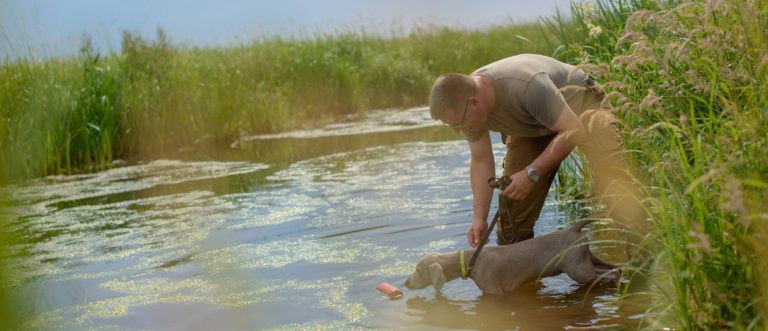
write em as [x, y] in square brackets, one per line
[285, 232]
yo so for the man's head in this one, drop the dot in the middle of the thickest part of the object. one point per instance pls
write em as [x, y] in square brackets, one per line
[450, 98]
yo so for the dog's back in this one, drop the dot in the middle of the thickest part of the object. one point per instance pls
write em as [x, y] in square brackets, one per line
[542, 256]
[502, 269]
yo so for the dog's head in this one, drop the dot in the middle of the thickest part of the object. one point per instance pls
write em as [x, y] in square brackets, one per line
[428, 272]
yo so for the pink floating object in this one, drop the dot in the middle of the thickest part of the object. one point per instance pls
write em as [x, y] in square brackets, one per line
[389, 290]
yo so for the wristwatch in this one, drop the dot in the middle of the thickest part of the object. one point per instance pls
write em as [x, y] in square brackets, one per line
[532, 174]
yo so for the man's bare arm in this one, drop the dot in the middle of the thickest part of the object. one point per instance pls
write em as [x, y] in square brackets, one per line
[482, 167]
[569, 133]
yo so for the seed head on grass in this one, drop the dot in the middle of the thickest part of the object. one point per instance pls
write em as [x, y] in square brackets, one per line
[713, 5]
[630, 37]
[638, 19]
[701, 245]
[620, 100]
[599, 70]
[630, 62]
[735, 201]
[651, 102]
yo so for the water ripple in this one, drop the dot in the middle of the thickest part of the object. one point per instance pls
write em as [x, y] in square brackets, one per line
[318, 236]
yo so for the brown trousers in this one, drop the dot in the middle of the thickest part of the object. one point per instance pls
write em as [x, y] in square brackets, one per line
[604, 151]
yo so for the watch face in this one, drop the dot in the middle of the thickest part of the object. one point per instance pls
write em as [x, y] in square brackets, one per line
[532, 174]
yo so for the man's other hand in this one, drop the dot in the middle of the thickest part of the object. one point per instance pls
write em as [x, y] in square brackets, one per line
[476, 232]
[520, 186]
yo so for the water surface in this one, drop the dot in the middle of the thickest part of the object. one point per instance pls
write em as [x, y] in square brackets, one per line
[286, 232]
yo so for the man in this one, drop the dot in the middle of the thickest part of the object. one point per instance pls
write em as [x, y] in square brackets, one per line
[544, 108]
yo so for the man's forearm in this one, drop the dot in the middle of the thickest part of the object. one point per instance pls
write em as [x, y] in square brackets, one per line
[557, 150]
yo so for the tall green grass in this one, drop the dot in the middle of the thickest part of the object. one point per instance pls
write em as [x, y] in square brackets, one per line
[154, 98]
[688, 79]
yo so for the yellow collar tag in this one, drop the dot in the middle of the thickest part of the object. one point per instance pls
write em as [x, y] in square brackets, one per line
[464, 273]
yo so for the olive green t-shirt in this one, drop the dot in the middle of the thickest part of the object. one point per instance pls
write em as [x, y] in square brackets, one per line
[527, 98]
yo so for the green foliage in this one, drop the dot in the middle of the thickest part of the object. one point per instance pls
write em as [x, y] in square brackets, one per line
[688, 80]
[153, 98]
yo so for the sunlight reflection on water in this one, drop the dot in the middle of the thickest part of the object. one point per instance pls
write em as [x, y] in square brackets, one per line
[302, 250]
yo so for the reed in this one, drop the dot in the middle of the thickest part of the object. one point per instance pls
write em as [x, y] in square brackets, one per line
[688, 81]
[154, 98]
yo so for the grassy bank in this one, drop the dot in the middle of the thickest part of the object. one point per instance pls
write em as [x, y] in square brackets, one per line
[154, 98]
[688, 80]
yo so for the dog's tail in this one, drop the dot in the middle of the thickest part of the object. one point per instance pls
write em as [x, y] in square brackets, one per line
[580, 224]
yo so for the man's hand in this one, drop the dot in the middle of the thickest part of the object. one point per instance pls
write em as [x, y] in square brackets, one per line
[476, 232]
[520, 186]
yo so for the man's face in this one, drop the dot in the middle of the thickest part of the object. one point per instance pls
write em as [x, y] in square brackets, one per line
[458, 120]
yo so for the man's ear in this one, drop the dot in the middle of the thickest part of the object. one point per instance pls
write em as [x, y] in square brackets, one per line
[437, 276]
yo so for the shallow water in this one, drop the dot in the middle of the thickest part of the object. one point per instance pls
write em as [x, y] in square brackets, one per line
[287, 232]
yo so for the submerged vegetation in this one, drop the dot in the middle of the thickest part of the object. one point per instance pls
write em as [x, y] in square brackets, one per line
[688, 80]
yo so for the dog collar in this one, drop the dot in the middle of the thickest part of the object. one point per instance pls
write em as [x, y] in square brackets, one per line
[464, 273]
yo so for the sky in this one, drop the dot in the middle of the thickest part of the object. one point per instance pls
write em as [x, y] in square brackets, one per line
[45, 28]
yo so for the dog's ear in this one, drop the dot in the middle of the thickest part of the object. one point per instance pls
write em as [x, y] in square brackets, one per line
[437, 276]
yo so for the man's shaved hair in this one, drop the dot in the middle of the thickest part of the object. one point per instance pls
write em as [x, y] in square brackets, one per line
[450, 91]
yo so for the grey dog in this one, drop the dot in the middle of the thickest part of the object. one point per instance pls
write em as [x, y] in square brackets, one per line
[502, 269]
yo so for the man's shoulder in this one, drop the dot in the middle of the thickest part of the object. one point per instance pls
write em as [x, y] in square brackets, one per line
[526, 59]
[520, 68]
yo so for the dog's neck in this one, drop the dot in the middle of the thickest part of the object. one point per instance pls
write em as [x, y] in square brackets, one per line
[451, 263]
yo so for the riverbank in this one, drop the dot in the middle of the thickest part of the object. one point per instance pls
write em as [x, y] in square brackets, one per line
[688, 81]
[154, 97]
